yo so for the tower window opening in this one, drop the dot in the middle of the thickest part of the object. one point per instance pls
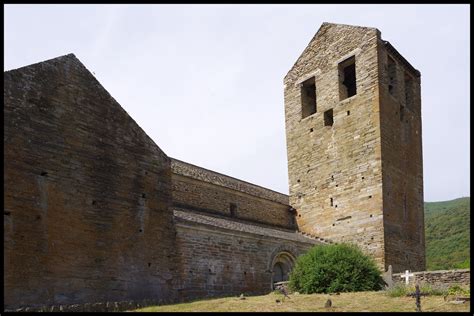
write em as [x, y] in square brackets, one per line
[308, 97]
[392, 76]
[347, 78]
[331, 200]
[328, 118]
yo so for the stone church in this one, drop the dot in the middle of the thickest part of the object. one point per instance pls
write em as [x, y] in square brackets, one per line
[95, 211]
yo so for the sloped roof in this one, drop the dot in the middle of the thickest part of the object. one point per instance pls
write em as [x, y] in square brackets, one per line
[199, 173]
[67, 63]
[183, 215]
[55, 60]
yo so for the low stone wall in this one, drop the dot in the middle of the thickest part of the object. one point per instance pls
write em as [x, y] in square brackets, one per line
[92, 307]
[440, 277]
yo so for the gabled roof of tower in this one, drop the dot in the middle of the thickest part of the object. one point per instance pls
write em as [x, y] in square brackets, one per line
[326, 25]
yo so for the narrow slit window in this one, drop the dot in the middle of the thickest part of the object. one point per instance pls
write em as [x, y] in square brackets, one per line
[347, 78]
[408, 92]
[328, 118]
[392, 76]
[308, 97]
[233, 209]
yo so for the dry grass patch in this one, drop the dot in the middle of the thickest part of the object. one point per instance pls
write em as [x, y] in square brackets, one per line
[345, 302]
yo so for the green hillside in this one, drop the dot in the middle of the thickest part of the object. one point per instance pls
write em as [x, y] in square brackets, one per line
[447, 234]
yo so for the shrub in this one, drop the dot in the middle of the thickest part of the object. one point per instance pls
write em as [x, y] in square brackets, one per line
[335, 268]
[458, 290]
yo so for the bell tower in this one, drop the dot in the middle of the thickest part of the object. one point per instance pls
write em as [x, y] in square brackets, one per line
[353, 132]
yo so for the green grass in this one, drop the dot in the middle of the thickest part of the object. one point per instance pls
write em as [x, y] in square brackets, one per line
[447, 234]
[345, 302]
[400, 290]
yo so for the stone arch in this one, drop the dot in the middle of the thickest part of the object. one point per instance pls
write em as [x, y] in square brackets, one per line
[281, 264]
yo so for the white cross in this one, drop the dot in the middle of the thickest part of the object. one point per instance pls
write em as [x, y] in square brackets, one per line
[407, 276]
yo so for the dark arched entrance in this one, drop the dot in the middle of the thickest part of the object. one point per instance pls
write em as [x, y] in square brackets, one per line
[282, 265]
[279, 273]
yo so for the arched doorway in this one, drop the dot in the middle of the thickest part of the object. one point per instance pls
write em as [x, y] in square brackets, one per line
[282, 265]
[279, 273]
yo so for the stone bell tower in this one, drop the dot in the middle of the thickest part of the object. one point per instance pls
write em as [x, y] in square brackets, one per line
[353, 131]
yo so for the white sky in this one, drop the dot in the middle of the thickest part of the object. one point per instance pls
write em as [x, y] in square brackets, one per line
[205, 82]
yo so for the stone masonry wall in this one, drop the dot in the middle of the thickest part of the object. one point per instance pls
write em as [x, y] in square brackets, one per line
[438, 278]
[86, 194]
[208, 191]
[402, 163]
[221, 257]
[341, 162]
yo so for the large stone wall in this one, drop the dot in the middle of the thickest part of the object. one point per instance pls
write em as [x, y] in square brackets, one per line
[98, 217]
[86, 194]
[402, 163]
[220, 256]
[438, 278]
[204, 190]
[335, 172]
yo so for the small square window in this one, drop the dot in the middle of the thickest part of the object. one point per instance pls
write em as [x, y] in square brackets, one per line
[328, 118]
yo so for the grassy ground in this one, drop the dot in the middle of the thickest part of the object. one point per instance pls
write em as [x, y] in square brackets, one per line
[345, 302]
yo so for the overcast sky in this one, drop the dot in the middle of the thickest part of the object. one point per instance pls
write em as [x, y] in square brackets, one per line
[205, 82]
